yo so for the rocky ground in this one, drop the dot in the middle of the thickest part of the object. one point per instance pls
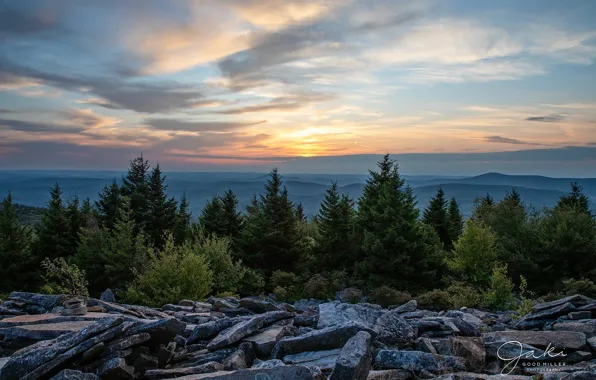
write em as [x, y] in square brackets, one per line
[44, 337]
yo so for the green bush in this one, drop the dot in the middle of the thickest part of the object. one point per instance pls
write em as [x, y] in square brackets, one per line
[62, 278]
[462, 295]
[582, 286]
[434, 300]
[499, 295]
[251, 283]
[526, 304]
[227, 274]
[352, 295]
[289, 282]
[387, 296]
[317, 287]
[174, 273]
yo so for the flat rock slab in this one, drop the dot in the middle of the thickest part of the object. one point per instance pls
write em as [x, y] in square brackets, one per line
[325, 360]
[355, 359]
[576, 300]
[236, 333]
[49, 318]
[43, 331]
[277, 373]
[264, 341]
[541, 339]
[481, 376]
[70, 374]
[588, 327]
[3, 361]
[46, 301]
[417, 361]
[389, 374]
[336, 313]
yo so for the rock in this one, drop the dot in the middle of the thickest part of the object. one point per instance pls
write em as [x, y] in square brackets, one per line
[425, 345]
[575, 300]
[393, 329]
[546, 314]
[588, 328]
[389, 374]
[277, 373]
[417, 361]
[165, 356]
[467, 317]
[575, 315]
[354, 361]
[116, 369]
[257, 305]
[211, 329]
[22, 336]
[264, 341]
[108, 296]
[171, 307]
[161, 331]
[481, 376]
[336, 313]
[209, 367]
[578, 356]
[44, 301]
[220, 303]
[236, 333]
[39, 319]
[235, 361]
[472, 350]
[592, 343]
[268, 364]
[70, 374]
[325, 339]
[306, 320]
[542, 339]
[502, 348]
[275, 316]
[324, 360]
[145, 362]
[407, 307]
[443, 326]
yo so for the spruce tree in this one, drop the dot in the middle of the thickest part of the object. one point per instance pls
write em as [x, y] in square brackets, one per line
[455, 221]
[575, 199]
[53, 233]
[300, 216]
[335, 221]
[435, 215]
[182, 229]
[76, 221]
[108, 205]
[232, 219]
[394, 250]
[136, 187]
[15, 254]
[211, 218]
[161, 216]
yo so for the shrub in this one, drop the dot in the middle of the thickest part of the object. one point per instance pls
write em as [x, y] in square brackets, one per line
[290, 284]
[338, 280]
[434, 300]
[63, 278]
[526, 304]
[174, 273]
[251, 283]
[386, 296]
[281, 294]
[499, 295]
[317, 287]
[350, 295]
[582, 286]
[226, 273]
[462, 295]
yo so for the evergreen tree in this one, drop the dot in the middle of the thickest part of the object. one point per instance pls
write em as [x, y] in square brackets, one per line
[252, 209]
[392, 250]
[455, 221]
[136, 187]
[435, 215]
[161, 215]
[182, 229]
[76, 221]
[271, 240]
[300, 216]
[88, 212]
[575, 199]
[15, 255]
[108, 205]
[335, 222]
[53, 233]
[232, 219]
[211, 218]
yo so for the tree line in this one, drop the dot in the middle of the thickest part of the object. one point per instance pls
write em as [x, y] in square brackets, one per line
[149, 248]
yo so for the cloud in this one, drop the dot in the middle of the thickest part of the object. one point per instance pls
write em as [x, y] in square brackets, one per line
[198, 126]
[506, 140]
[552, 118]
[14, 22]
[37, 127]
[282, 103]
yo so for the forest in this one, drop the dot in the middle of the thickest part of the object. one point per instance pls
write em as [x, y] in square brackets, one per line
[380, 248]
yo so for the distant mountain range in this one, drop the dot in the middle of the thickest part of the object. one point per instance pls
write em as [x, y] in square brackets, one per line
[31, 188]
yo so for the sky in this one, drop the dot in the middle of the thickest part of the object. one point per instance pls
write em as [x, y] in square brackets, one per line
[446, 86]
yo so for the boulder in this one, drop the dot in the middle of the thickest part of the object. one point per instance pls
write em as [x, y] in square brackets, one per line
[425, 345]
[209, 367]
[70, 374]
[162, 331]
[443, 326]
[575, 300]
[45, 301]
[186, 309]
[325, 339]
[418, 361]
[336, 313]
[324, 360]
[211, 329]
[481, 376]
[542, 339]
[469, 348]
[21, 336]
[268, 364]
[592, 343]
[578, 356]
[220, 303]
[258, 305]
[276, 373]
[236, 333]
[393, 329]
[354, 361]
[467, 317]
[306, 320]
[108, 296]
[539, 317]
[265, 340]
[588, 327]
[575, 315]
[116, 369]
[389, 374]
[407, 307]
[580, 375]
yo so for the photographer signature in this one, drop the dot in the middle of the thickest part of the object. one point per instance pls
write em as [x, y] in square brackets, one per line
[512, 362]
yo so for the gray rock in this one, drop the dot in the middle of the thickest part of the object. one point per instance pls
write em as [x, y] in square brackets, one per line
[542, 339]
[264, 341]
[407, 307]
[578, 356]
[306, 320]
[336, 313]
[481, 376]
[70, 374]
[472, 350]
[444, 326]
[417, 361]
[325, 339]
[324, 360]
[575, 300]
[161, 331]
[575, 315]
[425, 345]
[272, 317]
[116, 369]
[551, 313]
[211, 329]
[277, 373]
[389, 374]
[44, 301]
[587, 327]
[268, 364]
[393, 329]
[220, 303]
[186, 309]
[236, 333]
[209, 367]
[127, 342]
[22, 336]
[467, 317]
[592, 343]
[504, 349]
[108, 296]
[354, 361]
[258, 305]
[580, 375]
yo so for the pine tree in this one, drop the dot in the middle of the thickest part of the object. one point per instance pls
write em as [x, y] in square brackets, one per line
[53, 233]
[76, 221]
[232, 219]
[575, 199]
[300, 216]
[108, 205]
[455, 221]
[335, 222]
[211, 218]
[252, 208]
[435, 215]
[394, 250]
[136, 187]
[15, 254]
[182, 229]
[161, 215]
